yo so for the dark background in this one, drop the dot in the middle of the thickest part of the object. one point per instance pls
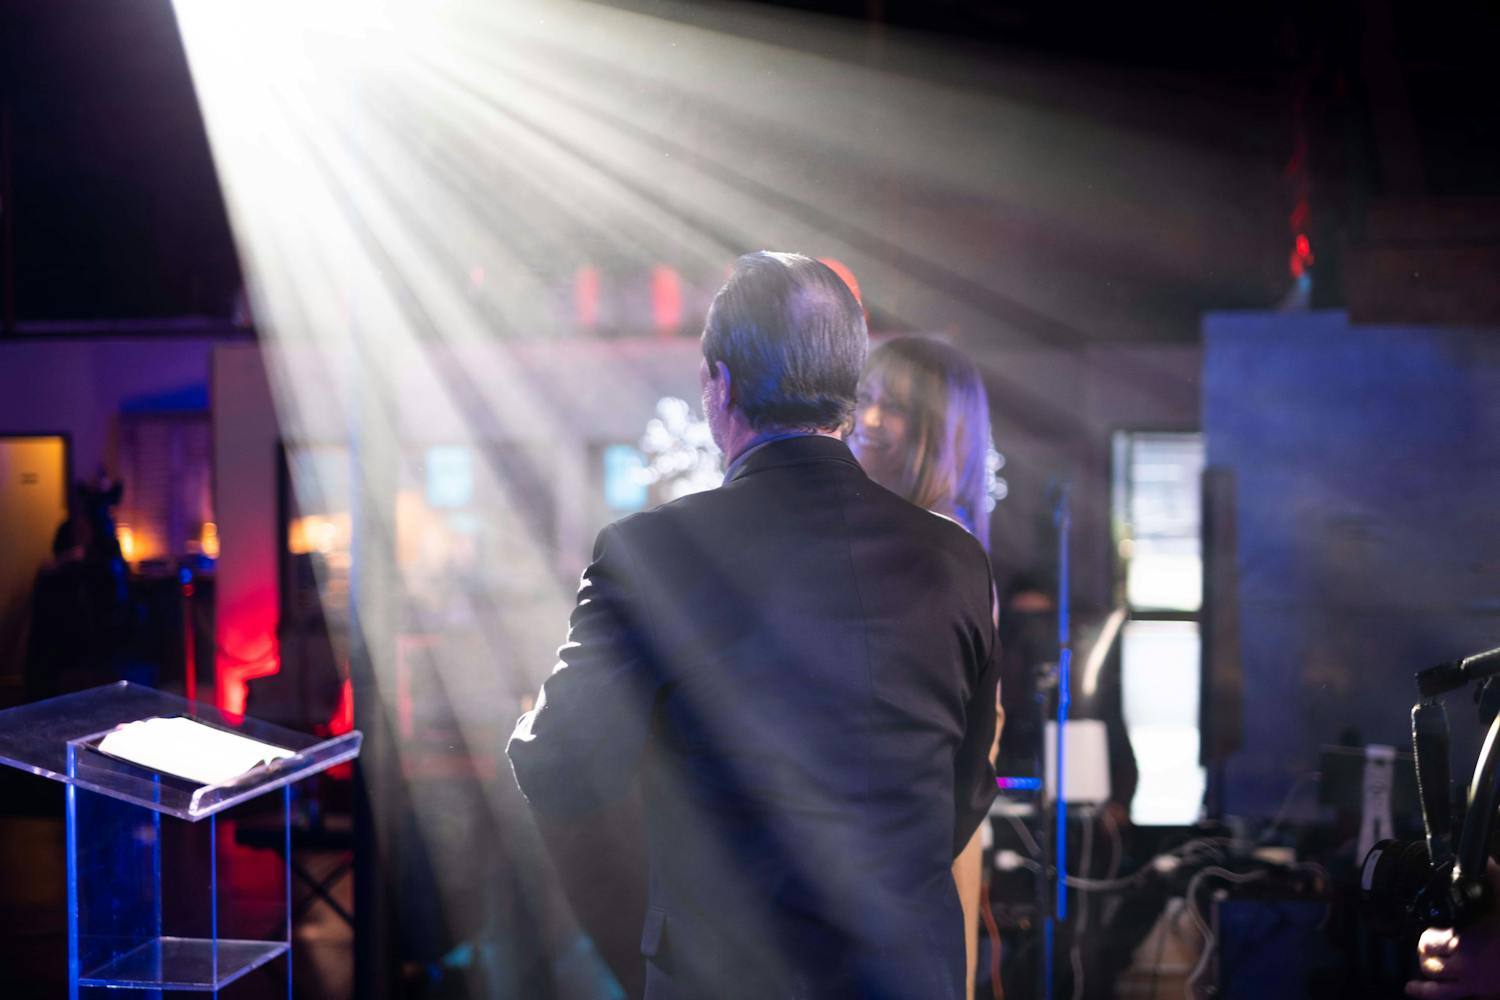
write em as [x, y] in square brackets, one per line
[116, 213]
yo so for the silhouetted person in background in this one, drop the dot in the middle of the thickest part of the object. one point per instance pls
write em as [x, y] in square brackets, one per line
[81, 618]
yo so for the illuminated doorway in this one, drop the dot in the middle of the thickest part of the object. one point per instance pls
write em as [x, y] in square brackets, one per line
[33, 505]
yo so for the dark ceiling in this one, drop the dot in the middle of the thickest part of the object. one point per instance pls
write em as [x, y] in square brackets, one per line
[115, 210]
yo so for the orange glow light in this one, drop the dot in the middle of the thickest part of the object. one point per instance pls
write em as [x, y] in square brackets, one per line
[126, 538]
[316, 533]
[209, 539]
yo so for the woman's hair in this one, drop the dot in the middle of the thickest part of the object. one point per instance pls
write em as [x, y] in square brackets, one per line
[949, 431]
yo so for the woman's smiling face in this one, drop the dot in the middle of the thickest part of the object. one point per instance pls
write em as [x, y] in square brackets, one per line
[882, 428]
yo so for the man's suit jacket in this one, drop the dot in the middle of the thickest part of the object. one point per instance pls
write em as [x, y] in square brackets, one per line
[801, 668]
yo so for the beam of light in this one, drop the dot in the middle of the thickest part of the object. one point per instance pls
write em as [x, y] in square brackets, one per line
[1093, 667]
[431, 199]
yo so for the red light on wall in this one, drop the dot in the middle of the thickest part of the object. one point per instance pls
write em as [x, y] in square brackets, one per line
[1302, 256]
[586, 296]
[246, 648]
[666, 299]
[342, 720]
[235, 678]
[1299, 217]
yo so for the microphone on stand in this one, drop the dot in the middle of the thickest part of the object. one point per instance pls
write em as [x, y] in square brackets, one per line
[1455, 674]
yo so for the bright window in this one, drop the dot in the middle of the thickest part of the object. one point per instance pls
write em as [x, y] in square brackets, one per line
[1157, 511]
[1159, 664]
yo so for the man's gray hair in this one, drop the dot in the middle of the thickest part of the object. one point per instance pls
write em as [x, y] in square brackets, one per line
[794, 340]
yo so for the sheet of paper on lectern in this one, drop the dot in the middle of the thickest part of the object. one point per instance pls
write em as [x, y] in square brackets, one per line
[189, 749]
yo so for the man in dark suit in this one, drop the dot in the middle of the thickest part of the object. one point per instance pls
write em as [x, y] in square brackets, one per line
[799, 666]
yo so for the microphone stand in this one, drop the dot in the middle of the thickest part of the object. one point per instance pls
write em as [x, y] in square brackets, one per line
[1460, 889]
[1063, 519]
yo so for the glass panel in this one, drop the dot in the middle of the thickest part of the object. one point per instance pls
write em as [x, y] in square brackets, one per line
[450, 477]
[1158, 509]
[37, 737]
[167, 461]
[200, 925]
[625, 486]
[1160, 679]
[116, 875]
[185, 963]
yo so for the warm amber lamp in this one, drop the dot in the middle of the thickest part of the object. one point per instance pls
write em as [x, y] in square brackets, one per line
[208, 540]
[126, 538]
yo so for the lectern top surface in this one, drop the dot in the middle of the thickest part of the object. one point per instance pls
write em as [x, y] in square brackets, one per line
[57, 739]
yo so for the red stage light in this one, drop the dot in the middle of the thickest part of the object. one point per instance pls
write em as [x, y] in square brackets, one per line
[666, 299]
[586, 296]
[247, 649]
[1301, 260]
[342, 720]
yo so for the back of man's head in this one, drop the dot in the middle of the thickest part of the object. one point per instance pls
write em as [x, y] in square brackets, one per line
[793, 338]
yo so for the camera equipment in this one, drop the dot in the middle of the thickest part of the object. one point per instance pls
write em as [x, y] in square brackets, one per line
[1430, 884]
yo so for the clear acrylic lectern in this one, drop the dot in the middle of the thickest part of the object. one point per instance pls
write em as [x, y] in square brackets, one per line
[118, 876]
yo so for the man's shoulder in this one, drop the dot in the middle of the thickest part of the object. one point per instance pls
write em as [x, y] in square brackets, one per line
[721, 512]
[927, 528]
[654, 529]
[693, 505]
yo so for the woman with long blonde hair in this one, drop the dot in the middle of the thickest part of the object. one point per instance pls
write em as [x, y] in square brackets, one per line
[922, 430]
